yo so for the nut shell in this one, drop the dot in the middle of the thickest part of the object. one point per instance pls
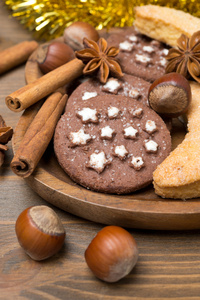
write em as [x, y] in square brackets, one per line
[74, 34]
[40, 232]
[112, 254]
[54, 55]
[170, 95]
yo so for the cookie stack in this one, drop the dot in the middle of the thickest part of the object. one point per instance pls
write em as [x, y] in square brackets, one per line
[109, 139]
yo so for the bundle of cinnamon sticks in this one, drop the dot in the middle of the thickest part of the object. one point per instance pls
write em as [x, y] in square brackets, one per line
[38, 135]
[41, 129]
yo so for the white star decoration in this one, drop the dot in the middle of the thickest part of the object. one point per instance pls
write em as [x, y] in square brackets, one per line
[130, 132]
[107, 132]
[79, 137]
[98, 161]
[120, 151]
[88, 115]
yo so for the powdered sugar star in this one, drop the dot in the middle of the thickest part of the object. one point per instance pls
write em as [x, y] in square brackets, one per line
[98, 161]
[88, 115]
[79, 138]
[120, 151]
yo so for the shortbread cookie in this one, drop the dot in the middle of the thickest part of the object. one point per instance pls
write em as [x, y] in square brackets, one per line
[165, 24]
[111, 143]
[178, 176]
[139, 55]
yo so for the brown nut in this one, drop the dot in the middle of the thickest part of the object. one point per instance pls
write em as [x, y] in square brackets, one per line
[170, 95]
[112, 254]
[40, 232]
[74, 34]
[54, 55]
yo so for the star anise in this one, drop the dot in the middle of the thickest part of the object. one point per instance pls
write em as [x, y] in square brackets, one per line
[99, 58]
[186, 58]
[5, 136]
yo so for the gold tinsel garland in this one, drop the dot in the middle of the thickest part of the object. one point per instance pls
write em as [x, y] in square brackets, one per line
[48, 18]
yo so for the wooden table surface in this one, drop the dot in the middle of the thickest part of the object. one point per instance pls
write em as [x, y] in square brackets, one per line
[168, 265]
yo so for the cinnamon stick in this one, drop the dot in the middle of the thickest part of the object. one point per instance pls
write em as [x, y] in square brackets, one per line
[16, 55]
[38, 135]
[45, 85]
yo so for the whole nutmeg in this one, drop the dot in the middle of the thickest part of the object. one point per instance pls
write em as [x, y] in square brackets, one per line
[74, 34]
[170, 95]
[40, 232]
[112, 254]
[54, 55]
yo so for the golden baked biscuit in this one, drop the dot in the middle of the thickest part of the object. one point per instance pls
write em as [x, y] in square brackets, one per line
[165, 24]
[178, 176]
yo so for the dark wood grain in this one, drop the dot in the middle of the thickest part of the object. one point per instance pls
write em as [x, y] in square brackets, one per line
[168, 265]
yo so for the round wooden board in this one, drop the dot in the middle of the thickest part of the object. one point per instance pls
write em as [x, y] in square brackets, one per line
[142, 209]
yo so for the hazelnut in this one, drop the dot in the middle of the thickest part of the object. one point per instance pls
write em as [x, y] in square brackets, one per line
[40, 232]
[170, 95]
[112, 254]
[74, 34]
[54, 55]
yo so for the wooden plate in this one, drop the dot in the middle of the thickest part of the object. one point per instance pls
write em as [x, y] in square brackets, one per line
[142, 209]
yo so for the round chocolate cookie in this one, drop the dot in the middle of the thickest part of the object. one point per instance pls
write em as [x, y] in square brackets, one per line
[139, 55]
[111, 143]
[129, 86]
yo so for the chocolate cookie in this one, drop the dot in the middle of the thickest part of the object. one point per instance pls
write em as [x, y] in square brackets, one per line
[111, 143]
[129, 86]
[139, 55]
